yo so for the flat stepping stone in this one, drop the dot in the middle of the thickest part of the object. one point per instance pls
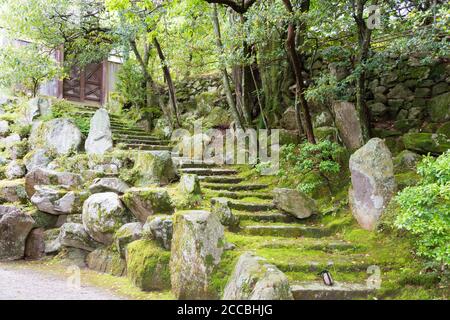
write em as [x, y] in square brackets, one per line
[242, 195]
[263, 216]
[288, 231]
[234, 187]
[339, 291]
[209, 171]
[250, 206]
[220, 179]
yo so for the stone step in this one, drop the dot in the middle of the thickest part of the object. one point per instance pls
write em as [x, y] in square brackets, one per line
[128, 130]
[209, 171]
[288, 231]
[234, 187]
[141, 141]
[136, 146]
[251, 206]
[316, 290]
[132, 133]
[196, 165]
[146, 137]
[241, 195]
[267, 216]
[220, 179]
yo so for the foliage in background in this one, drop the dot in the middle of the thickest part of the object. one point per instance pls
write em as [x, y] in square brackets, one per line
[26, 67]
[424, 210]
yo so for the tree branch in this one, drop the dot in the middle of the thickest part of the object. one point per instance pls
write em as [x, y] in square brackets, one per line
[239, 8]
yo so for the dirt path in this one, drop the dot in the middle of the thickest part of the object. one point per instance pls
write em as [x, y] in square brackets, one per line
[28, 284]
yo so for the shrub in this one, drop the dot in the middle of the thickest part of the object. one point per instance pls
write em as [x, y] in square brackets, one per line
[318, 162]
[424, 210]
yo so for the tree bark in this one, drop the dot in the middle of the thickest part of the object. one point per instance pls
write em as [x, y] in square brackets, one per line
[168, 77]
[225, 77]
[297, 66]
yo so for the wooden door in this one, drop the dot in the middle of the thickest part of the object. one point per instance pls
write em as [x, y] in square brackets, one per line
[85, 85]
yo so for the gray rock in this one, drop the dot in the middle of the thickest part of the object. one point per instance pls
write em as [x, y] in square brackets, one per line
[288, 121]
[41, 176]
[160, 229]
[197, 246]
[103, 215]
[126, 234]
[439, 108]
[108, 185]
[406, 161]
[323, 119]
[221, 208]
[74, 235]
[400, 92]
[15, 225]
[99, 139]
[255, 279]
[378, 109]
[294, 202]
[144, 202]
[15, 170]
[189, 184]
[37, 158]
[106, 261]
[57, 200]
[348, 124]
[4, 128]
[154, 167]
[373, 183]
[10, 140]
[35, 245]
[13, 191]
[36, 107]
[52, 240]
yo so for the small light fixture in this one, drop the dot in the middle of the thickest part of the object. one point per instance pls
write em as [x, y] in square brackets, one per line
[326, 277]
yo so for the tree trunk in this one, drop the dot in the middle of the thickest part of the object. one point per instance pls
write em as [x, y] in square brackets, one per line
[297, 66]
[168, 77]
[226, 80]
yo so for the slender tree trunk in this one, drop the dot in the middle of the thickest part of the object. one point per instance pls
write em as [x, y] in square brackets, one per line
[225, 77]
[297, 66]
[167, 75]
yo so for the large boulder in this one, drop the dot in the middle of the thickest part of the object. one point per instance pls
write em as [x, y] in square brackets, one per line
[294, 202]
[148, 265]
[57, 200]
[75, 236]
[255, 279]
[13, 191]
[197, 247]
[160, 229]
[103, 215]
[35, 245]
[425, 143]
[106, 261]
[40, 176]
[108, 185]
[347, 122]
[99, 139]
[373, 182]
[15, 170]
[60, 136]
[15, 225]
[154, 167]
[126, 234]
[144, 202]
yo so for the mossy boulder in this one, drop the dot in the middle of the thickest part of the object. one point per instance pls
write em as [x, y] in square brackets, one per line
[424, 143]
[160, 229]
[58, 200]
[126, 234]
[255, 279]
[294, 202]
[406, 161]
[108, 185]
[13, 191]
[40, 176]
[144, 202]
[103, 215]
[15, 170]
[189, 184]
[75, 236]
[326, 133]
[37, 158]
[197, 247]
[221, 208]
[108, 261]
[155, 167]
[148, 265]
[218, 118]
[43, 220]
[439, 108]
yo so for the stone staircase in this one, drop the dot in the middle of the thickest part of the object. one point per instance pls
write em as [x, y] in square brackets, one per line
[299, 248]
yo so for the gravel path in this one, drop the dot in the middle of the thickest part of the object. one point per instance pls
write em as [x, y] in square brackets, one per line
[26, 284]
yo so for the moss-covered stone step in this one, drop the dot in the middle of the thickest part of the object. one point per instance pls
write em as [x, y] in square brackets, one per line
[267, 216]
[289, 231]
[208, 171]
[221, 179]
[234, 187]
[130, 132]
[316, 290]
[241, 194]
[147, 137]
[141, 141]
[137, 146]
[251, 206]
[196, 165]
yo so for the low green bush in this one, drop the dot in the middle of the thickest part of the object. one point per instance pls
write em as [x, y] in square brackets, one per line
[424, 209]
